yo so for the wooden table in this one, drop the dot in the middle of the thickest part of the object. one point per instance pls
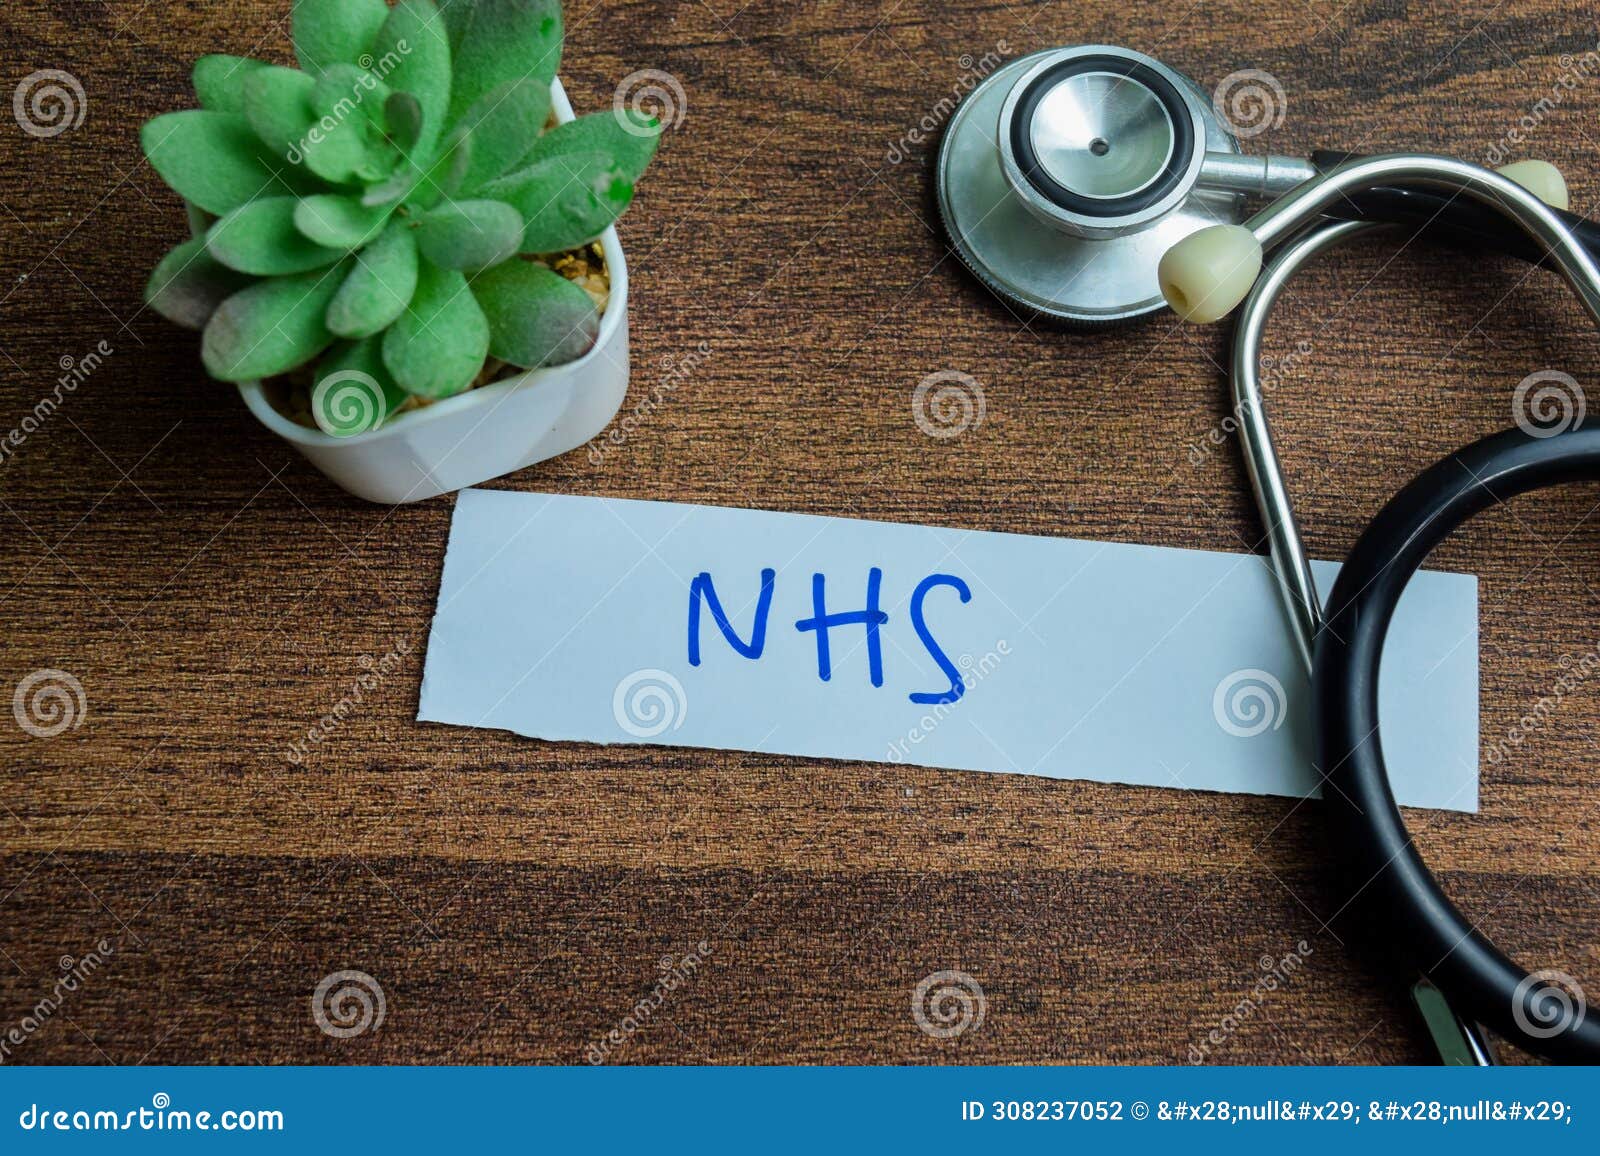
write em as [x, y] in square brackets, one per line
[514, 899]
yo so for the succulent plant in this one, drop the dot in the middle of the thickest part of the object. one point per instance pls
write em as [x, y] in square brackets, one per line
[371, 213]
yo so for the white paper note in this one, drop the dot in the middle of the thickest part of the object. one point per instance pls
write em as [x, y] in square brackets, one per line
[608, 621]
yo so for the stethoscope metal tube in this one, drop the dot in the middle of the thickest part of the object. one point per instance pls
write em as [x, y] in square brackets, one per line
[1286, 549]
[1467, 225]
[1260, 178]
[1537, 219]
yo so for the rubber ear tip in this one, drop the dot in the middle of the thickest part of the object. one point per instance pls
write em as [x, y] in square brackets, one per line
[1541, 178]
[1206, 275]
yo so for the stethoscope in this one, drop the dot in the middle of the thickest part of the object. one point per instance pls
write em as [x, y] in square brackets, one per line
[1096, 185]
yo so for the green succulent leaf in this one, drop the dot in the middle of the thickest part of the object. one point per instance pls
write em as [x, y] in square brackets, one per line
[339, 222]
[446, 174]
[188, 285]
[496, 41]
[628, 138]
[343, 90]
[219, 81]
[413, 46]
[330, 32]
[502, 125]
[394, 188]
[380, 285]
[278, 103]
[425, 188]
[271, 327]
[354, 392]
[470, 234]
[566, 200]
[214, 160]
[536, 316]
[346, 92]
[261, 239]
[404, 114]
[438, 346]
[337, 150]
[199, 220]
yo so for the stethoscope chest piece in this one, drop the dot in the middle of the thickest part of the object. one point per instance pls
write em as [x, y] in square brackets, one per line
[1065, 176]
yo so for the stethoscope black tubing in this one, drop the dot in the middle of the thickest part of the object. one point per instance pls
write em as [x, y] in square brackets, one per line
[1386, 873]
[1460, 222]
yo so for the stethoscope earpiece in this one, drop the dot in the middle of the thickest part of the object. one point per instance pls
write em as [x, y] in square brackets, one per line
[1542, 179]
[1206, 275]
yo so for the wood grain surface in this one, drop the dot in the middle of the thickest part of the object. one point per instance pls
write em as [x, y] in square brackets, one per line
[215, 596]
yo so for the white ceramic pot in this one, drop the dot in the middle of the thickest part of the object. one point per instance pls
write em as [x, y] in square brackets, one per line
[484, 433]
